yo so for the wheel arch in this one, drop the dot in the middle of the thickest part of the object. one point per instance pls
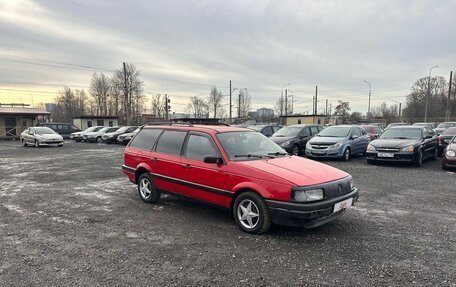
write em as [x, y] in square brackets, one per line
[140, 170]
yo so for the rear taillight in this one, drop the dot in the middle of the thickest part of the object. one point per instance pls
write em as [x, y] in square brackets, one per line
[439, 139]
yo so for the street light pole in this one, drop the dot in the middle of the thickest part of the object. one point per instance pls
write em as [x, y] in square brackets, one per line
[281, 99]
[369, 104]
[428, 94]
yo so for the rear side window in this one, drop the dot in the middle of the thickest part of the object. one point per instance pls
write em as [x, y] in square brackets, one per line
[171, 142]
[268, 131]
[198, 147]
[145, 139]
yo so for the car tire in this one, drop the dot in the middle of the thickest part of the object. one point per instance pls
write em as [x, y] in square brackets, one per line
[146, 189]
[99, 140]
[419, 159]
[37, 144]
[371, 161]
[295, 150]
[347, 154]
[251, 202]
[60, 145]
[78, 141]
[23, 142]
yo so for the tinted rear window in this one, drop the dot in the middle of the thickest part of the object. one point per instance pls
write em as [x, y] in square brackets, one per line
[145, 139]
[171, 142]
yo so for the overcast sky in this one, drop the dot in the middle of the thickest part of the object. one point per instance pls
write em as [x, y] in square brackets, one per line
[184, 47]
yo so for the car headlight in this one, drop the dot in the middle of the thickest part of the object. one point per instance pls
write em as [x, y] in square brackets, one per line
[336, 145]
[408, 148]
[352, 185]
[127, 138]
[450, 153]
[307, 195]
[286, 143]
[370, 147]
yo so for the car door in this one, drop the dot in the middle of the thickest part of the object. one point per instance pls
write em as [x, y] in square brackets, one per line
[429, 142]
[166, 159]
[355, 140]
[31, 136]
[304, 137]
[365, 140]
[204, 181]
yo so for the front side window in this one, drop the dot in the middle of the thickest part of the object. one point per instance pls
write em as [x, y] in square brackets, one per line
[305, 132]
[356, 132]
[198, 147]
[170, 142]
[248, 145]
[314, 130]
[145, 139]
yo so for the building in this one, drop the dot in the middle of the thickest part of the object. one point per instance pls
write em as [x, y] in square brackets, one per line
[264, 115]
[14, 120]
[303, 119]
[84, 122]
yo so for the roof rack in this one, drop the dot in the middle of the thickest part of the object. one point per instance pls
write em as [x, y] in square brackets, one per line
[181, 124]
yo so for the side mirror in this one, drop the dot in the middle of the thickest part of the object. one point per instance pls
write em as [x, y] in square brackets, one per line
[354, 137]
[213, 159]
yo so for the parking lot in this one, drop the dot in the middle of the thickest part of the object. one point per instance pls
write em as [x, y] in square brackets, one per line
[68, 216]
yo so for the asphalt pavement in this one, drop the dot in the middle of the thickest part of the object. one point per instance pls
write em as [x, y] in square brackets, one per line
[68, 216]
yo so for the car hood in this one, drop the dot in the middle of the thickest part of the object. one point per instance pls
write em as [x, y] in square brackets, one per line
[394, 143]
[113, 134]
[279, 140]
[326, 140]
[50, 136]
[451, 146]
[297, 170]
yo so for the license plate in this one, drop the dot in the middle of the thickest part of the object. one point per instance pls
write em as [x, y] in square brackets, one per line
[385, 154]
[319, 151]
[343, 204]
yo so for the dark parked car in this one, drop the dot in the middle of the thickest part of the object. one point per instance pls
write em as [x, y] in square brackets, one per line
[449, 155]
[373, 131]
[404, 143]
[240, 170]
[267, 130]
[125, 138]
[294, 138]
[443, 126]
[382, 126]
[445, 138]
[63, 129]
[340, 142]
[111, 137]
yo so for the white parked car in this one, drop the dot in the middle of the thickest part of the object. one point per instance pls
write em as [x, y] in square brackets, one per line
[97, 136]
[41, 136]
[79, 136]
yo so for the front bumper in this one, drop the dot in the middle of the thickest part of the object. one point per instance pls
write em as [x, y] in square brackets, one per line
[324, 153]
[307, 215]
[449, 161]
[45, 143]
[110, 140]
[398, 156]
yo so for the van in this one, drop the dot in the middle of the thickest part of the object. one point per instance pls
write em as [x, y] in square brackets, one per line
[63, 129]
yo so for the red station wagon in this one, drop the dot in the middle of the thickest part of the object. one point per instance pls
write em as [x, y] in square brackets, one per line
[238, 169]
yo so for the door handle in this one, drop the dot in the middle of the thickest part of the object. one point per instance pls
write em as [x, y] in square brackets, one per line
[154, 159]
[186, 165]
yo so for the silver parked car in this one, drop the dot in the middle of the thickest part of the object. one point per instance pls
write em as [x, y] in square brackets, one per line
[41, 136]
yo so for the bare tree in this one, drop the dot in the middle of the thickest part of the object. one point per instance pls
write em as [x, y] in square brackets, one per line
[99, 90]
[214, 101]
[342, 110]
[69, 104]
[197, 107]
[278, 106]
[158, 105]
[130, 83]
[244, 103]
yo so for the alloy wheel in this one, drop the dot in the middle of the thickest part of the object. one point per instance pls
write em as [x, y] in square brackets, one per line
[248, 213]
[145, 188]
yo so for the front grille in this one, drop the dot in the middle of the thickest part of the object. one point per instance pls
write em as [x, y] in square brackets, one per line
[320, 146]
[386, 149]
[334, 188]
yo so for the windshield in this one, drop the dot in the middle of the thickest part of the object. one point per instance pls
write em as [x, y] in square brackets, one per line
[91, 129]
[339, 132]
[256, 128]
[396, 124]
[421, 124]
[369, 129]
[450, 131]
[288, 132]
[402, 133]
[445, 125]
[122, 129]
[248, 145]
[44, 131]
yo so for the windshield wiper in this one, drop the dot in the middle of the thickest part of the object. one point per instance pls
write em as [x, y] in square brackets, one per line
[279, 136]
[401, 138]
[277, 153]
[248, 155]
